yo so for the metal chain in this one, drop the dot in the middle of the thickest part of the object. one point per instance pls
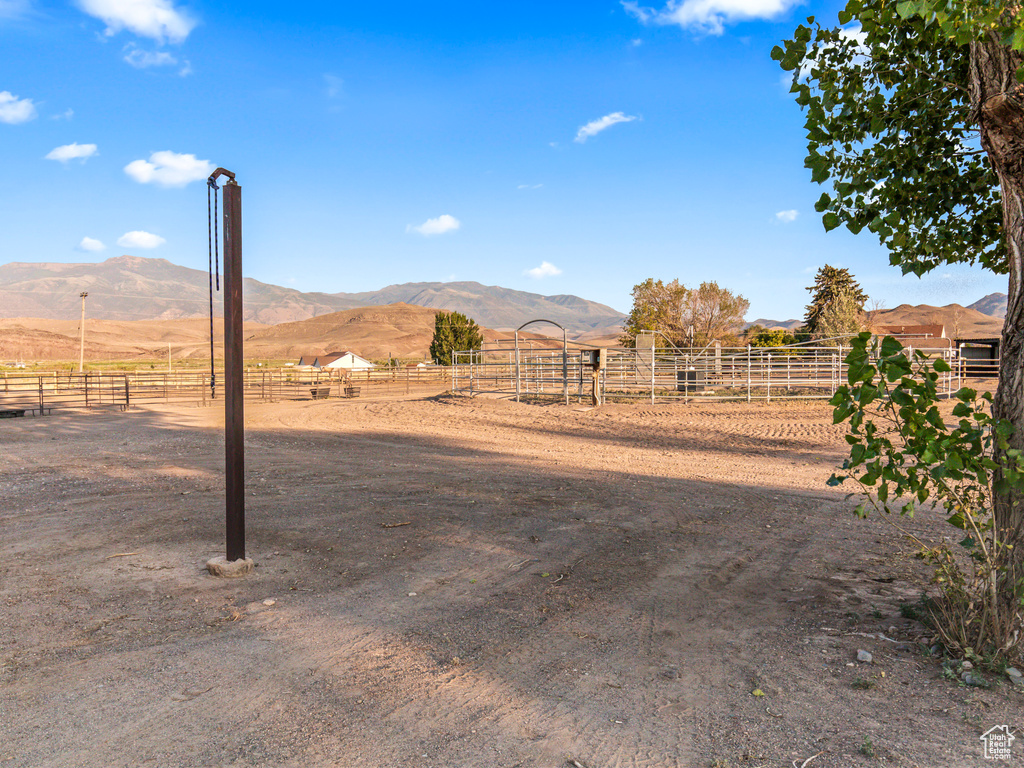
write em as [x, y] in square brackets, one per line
[213, 250]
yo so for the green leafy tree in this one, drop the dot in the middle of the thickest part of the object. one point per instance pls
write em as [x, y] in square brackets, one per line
[842, 316]
[832, 285]
[685, 317]
[915, 119]
[453, 332]
[903, 455]
[759, 336]
[657, 306]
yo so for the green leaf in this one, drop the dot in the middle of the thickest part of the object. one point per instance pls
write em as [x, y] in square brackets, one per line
[890, 347]
[906, 9]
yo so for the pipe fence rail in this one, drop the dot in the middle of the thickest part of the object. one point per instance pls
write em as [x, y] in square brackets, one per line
[719, 373]
[41, 392]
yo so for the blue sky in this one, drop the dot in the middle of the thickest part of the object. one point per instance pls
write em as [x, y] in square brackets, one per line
[572, 147]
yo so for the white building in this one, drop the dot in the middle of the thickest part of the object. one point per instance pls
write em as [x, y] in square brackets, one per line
[349, 361]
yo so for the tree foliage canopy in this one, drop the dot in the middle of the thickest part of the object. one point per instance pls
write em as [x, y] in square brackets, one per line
[836, 294]
[453, 332]
[686, 317]
[916, 118]
[657, 306]
[891, 125]
[759, 336]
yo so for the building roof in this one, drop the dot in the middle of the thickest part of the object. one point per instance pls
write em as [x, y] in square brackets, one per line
[936, 331]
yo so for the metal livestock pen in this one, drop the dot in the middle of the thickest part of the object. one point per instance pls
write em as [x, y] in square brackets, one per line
[668, 374]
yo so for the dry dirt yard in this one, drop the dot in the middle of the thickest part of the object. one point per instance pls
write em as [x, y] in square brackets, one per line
[451, 582]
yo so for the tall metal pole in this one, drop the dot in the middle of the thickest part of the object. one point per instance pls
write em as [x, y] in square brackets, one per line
[81, 348]
[234, 418]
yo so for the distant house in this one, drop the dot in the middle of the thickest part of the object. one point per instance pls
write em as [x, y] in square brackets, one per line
[349, 361]
[927, 336]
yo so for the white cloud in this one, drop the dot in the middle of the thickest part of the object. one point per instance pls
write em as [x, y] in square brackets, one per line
[155, 19]
[438, 226]
[709, 16]
[65, 115]
[529, 186]
[73, 151]
[140, 239]
[546, 269]
[787, 216]
[594, 127]
[169, 169]
[141, 59]
[14, 110]
[91, 244]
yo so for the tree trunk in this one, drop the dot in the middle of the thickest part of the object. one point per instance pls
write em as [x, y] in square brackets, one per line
[998, 102]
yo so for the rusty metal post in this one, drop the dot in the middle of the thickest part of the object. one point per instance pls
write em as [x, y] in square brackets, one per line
[234, 417]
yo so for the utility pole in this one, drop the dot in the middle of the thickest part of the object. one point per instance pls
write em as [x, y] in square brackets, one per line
[81, 348]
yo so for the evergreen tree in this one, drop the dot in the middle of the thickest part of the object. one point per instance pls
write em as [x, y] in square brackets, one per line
[829, 285]
[842, 316]
[453, 332]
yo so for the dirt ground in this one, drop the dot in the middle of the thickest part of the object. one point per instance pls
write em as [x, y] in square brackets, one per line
[450, 582]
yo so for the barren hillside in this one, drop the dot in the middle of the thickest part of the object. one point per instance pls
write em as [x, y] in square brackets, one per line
[961, 322]
[135, 288]
[402, 330]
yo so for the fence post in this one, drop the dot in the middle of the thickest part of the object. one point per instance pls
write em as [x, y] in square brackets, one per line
[654, 346]
[86, 375]
[517, 370]
[40, 395]
[748, 373]
[769, 379]
[127, 394]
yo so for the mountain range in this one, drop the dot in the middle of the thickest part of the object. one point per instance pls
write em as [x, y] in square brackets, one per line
[136, 288]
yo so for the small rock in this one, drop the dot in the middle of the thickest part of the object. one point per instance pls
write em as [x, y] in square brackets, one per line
[892, 632]
[966, 665]
[973, 679]
[412, 594]
[268, 602]
[1014, 674]
[864, 656]
[935, 650]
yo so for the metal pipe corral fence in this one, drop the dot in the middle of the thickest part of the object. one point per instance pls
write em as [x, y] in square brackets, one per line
[719, 373]
[39, 392]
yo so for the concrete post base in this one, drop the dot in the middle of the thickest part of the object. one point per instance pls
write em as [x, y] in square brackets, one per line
[229, 569]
